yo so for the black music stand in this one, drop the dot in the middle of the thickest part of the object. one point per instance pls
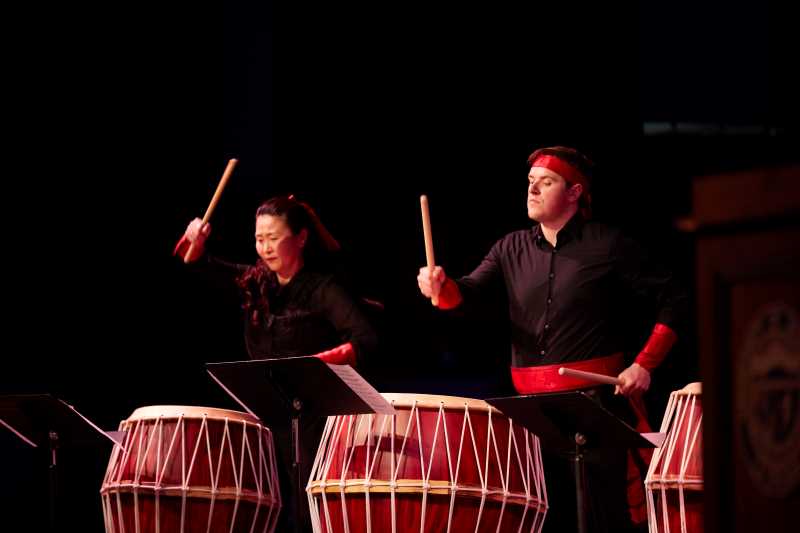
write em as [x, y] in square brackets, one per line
[275, 390]
[571, 423]
[42, 420]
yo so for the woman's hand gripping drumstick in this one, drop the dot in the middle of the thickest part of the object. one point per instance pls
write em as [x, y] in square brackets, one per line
[198, 230]
[434, 287]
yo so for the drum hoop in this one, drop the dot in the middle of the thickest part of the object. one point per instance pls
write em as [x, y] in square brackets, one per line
[194, 492]
[692, 389]
[673, 483]
[414, 486]
[687, 394]
[433, 401]
[190, 412]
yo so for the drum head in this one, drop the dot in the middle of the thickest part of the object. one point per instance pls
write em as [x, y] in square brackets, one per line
[432, 401]
[190, 412]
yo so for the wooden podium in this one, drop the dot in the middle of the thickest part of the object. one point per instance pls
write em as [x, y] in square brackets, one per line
[747, 228]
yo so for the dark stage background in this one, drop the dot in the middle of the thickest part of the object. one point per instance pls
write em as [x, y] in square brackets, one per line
[119, 121]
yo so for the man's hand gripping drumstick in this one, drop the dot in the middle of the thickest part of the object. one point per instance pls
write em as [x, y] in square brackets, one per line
[591, 376]
[623, 385]
[433, 282]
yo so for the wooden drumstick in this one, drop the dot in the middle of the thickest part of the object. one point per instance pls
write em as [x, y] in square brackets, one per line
[222, 182]
[426, 230]
[600, 378]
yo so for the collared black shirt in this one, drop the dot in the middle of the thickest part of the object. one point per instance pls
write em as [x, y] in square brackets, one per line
[569, 303]
[310, 314]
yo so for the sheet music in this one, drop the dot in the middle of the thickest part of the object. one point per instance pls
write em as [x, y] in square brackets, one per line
[17, 433]
[119, 438]
[363, 389]
[655, 438]
[231, 394]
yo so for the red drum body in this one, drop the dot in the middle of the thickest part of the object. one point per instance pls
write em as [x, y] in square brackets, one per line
[674, 480]
[440, 464]
[191, 469]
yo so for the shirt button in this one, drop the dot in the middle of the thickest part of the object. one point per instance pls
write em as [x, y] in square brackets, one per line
[542, 352]
[552, 275]
[547, 326]
[549, 301]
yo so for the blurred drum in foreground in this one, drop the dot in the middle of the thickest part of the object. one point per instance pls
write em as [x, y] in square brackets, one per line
[674, 481]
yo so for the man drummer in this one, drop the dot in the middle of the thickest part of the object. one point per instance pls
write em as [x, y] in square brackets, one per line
[567, 280]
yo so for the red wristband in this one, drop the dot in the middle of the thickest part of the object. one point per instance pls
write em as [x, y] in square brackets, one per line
[181, 247]
[341, 355]
[657, 347]
[450, 295]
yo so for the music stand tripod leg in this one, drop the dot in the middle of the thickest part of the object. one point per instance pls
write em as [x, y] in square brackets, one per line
[297, 409]
[580, 483]
[53, 440]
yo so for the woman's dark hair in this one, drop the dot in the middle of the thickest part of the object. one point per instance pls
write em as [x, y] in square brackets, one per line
[257, 280]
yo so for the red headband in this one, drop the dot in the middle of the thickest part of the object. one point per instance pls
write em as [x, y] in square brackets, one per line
[562, 168]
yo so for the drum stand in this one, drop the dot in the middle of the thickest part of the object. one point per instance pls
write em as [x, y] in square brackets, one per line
[296, 387]
[572, 423]
[39, 419]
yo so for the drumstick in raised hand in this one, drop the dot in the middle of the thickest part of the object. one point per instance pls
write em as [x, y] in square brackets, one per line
[426, 230]
[222, 182]
[600, 378]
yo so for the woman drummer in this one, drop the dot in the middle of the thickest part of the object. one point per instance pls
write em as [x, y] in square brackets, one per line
[293, 307]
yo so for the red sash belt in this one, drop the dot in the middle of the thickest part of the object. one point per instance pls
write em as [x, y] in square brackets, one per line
[537, 379]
